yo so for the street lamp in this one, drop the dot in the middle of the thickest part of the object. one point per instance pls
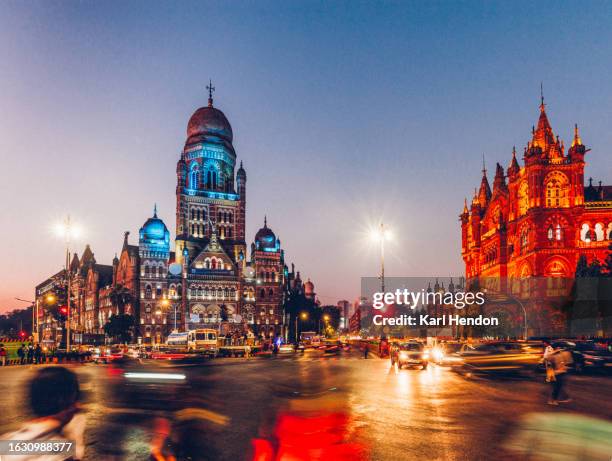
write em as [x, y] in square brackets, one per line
[68, 231]
[303, 316]
[380, 235]
[34, 316]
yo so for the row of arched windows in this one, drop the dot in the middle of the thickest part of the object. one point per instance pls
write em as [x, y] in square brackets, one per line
[225, 217]
[262, 293]
[212, 293]
[211, 178]
[268, 276]
[153, 270]
[595, 234]
[198, 214]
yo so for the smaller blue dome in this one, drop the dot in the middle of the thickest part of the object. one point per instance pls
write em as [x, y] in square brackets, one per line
[154, 230]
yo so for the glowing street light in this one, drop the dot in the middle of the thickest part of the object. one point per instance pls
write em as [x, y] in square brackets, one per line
[68, 231]
[380, 235]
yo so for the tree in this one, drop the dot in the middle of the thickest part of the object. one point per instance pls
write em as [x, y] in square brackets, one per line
[120, 327]
[120, 297]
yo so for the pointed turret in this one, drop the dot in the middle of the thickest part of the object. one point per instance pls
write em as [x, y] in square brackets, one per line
[514, 167]
[499, 183]
[577, 150]
[543, 136]
[484, 194]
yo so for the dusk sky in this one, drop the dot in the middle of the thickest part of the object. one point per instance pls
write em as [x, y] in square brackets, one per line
[344, 113]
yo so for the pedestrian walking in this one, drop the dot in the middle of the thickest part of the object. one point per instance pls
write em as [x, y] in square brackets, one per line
[548, 352]
[2, 355]
[30, 353]
[559, 361]
[21, 354]
[38, 354]
[366, 350]
[247, 351]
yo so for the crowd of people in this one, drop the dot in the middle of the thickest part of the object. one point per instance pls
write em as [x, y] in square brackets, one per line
[26, 354]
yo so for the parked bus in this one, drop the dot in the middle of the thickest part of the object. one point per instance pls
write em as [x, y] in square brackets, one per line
[177, 340]
[203, 340]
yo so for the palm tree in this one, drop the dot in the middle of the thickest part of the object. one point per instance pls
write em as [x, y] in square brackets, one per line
[120, 297]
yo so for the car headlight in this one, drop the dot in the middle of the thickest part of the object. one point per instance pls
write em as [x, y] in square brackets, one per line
[438, 354]
[425, 355]
[403, 355]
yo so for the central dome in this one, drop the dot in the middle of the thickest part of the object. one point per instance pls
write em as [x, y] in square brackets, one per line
[209, 124]
[265, 238]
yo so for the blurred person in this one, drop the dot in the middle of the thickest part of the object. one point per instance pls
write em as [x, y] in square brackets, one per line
[30, 353]
[559, 361]
[560, 436]
[21, 354]
[366, 350]
[53, 397]
[548, 351]
[38, 354]
[2, 355]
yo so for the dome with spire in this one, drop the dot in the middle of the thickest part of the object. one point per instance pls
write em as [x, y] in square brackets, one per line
[154, 231]
[265, 239]
[308, 288]
[209, 124]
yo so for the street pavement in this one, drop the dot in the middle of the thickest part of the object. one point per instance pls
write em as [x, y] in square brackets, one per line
[224, 405]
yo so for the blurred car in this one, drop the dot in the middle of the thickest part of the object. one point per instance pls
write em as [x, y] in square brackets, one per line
[409, 354]
[286, 349]
[445, 354]
[587, 355]
[333, 347]
[500, 357]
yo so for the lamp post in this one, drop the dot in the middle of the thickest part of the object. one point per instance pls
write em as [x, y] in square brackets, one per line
[34, 317]
[303, 316]
[380, 235]
[67, 230]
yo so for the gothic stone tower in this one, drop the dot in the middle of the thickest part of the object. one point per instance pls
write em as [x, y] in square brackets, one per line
[205, 192]
[210, 220]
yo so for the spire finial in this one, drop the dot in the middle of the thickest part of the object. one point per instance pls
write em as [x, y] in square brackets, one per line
[542, 105]
[514, 151]
[155, 210]
[484, 168]
[577, 141]
[210, 89]
[265, 221]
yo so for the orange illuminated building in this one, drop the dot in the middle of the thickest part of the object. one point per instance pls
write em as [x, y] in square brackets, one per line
[538, 218]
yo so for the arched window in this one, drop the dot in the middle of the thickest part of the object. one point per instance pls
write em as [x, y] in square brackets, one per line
[146, 270]
[211, 179]
[599, 232]
[557, 187]
[585, 233]
[270, 292]
[148, 292]
[524, 240]
[550, 234]
[194, 176]
[558, 232]
[609, 237]
[231, 218]
[523, 198]
[192, 214]
[229, 232]
[262, 293]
